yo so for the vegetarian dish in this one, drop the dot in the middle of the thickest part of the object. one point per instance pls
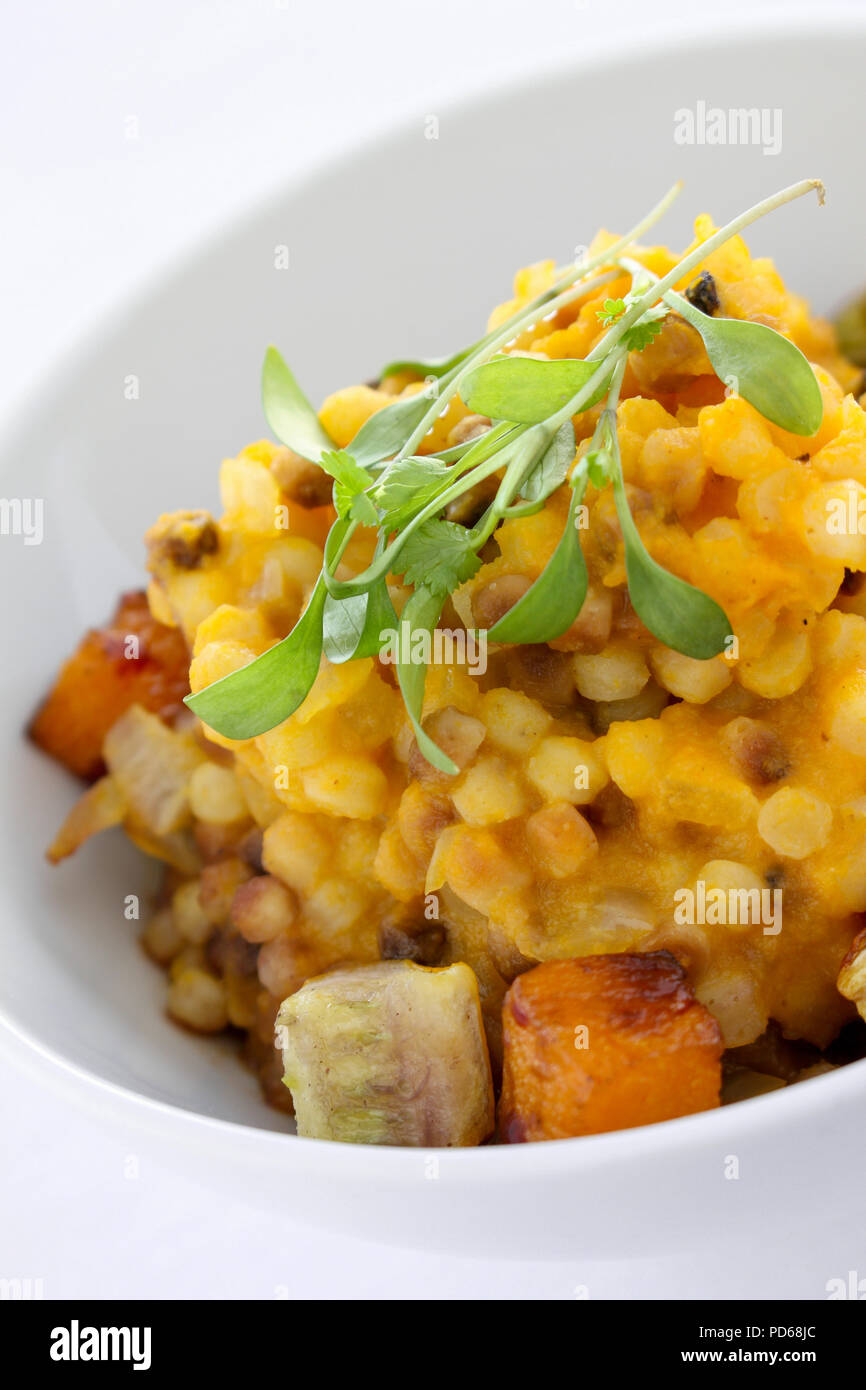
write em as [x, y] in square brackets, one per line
[504, 740]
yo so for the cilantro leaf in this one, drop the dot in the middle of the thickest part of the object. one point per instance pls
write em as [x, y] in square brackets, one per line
[350, 487]
[406, 487]
[346, 618]
[598, 466]
[611, 310]
[439, 556]
[642, 333]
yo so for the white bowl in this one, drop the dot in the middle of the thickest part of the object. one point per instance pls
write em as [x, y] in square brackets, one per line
[401, 247]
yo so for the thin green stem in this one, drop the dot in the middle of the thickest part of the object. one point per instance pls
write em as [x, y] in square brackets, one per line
[603, 352]
[454, 380]
[699, 254]
[341, 543]
[557, 296]
[620, 497]
[382, 566]
[612, 402]
[515, 475]
[524, 509]
[605, 345]
[481, 449]
[587, 391]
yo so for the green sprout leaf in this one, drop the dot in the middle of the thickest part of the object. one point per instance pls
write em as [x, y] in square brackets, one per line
[527, 390]
[599, 466]
[350, 490]
[380, 482]
[681, 616]
[421, 614]
[552, 468]
[648, 326]
[611, 310]
[439, 556]
[427, 366]
[550, 606]
[264, 693]
[769, 371]
[388, 429]
[288, 412]
[405, 488]
[353, 627]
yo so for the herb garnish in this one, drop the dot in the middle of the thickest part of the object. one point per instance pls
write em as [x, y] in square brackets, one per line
[381, 482]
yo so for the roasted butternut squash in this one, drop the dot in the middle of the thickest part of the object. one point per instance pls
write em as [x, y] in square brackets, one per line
[132, 660]
[605, 1042]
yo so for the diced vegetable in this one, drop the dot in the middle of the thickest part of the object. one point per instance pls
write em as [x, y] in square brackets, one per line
[392, 1053]
[132, 660]
[852, 976]
[152, 765]
[178, 849]
[102, 806]
[602, 1043]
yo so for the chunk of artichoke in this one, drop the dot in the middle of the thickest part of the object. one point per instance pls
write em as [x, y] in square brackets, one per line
[392, 1053]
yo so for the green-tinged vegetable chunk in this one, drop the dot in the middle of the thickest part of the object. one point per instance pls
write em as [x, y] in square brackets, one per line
[392, 1053]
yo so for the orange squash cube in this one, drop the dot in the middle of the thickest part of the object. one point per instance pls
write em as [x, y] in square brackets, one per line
[103, 677]
[603, 1043]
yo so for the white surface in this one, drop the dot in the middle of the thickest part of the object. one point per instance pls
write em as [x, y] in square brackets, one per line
[230, 101]
[72, 1217]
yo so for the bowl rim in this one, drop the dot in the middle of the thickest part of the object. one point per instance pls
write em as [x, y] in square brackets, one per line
[837, 22]
[782, 1110]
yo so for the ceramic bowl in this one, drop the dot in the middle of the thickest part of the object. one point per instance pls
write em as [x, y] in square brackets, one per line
[437, 229]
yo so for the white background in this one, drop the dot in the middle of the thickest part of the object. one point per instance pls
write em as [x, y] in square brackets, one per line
[225, 101]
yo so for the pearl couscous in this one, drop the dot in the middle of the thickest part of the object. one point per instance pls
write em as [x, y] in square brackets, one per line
[601, 777]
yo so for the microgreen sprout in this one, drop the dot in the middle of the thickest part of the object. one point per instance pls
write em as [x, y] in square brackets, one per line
[381, 481]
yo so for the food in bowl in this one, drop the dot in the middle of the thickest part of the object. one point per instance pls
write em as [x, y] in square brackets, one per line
[503, 740]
